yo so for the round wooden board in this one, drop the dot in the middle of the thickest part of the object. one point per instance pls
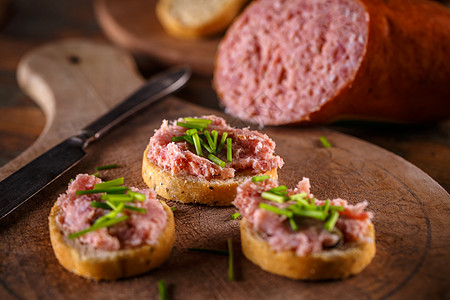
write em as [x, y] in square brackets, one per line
[133, 25]
[411, 210]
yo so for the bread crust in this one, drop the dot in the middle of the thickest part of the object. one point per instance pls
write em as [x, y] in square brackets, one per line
[191, 189]
[217, 23]
[109, 265]
[339, 263]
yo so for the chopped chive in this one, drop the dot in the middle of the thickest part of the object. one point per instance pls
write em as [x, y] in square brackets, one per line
[320, 215]
[214, 251]
[326, 206]
[191, 131]
[298, 197]
[137, 196]
[205, 146]
[95, 174]
[117, 207]
[276, 210]
[230, 259]
[110, 183]
[180, 138]
[337, 208]
[188, 139]
[197, 126]
[216, 160]
[134, 208]
[110, 190]
[198, 146]
[222, 141]
[229, 150]
[112, 166]
[279, 190]
[172, 208]
[162, 290]
[215, 135]
[235, 215]
[259, 178]
[109, 216]
[273, 197]
[100, 205]
[197, 120]
[293, 224]
[302, 201]
[325, 142]
[332, 219]
[118, 197]
[210, 142]
[94, 227]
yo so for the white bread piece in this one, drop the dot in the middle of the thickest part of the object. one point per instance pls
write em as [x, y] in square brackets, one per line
[192, 189]
[193, 19]
[338, 263]
[109, 265]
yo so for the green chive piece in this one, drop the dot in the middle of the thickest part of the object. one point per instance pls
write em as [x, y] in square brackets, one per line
[172, 208]
[198, 146]
[229, 150]
[298, 197]
[189, 139]
[109, 216]
[303, 202]
[337, 208]
[326, 206]
[110, 190]
[273, 197]
[162, 289]
[191, 131]
[118, 197]
[197, 126]
[293, 224]
[260, 178]
[116, 206]
[205, 146]
[210, 142]
[320, 215]
[197, 120]
[215, 135]
[276, 210]
[235, 215]
[94, 227]
[112, 166]
[134, 208]
[213, 251]
[216, 160]
[325, 142]
[95, 174]
[222, 141]
[230, 259]
[180, 138]
[137, 196]
[279, 190]
[100, 205]
[332, 219]
[110, 183]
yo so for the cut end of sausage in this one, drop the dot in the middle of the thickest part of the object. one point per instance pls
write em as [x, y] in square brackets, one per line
[283, 60]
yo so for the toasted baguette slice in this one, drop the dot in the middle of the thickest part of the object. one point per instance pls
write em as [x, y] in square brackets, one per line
[109, 265]
[193, 19]
[337, 263]
[191, 189]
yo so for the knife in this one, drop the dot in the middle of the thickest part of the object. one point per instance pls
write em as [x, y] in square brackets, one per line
[33, 177]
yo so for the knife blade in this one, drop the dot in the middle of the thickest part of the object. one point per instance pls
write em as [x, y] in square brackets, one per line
[20, 186]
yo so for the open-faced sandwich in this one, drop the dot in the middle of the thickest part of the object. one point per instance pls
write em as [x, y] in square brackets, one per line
[290, 233]
[204, 159]
[104, 230]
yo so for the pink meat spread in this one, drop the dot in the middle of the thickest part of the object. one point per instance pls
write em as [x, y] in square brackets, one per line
[76, 214]
[280, 61]
[311, 236]
[253, 152]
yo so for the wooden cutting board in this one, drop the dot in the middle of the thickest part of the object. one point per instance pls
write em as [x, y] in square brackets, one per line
[133, 25]
[75, 81]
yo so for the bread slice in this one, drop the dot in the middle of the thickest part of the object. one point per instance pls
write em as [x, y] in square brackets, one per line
[109, 265]
[191, 189]
[336, 263]
[193, 19]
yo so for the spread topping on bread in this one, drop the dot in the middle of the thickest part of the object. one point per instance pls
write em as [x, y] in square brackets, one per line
[109, 216]
[209, 148]
[295, 220]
